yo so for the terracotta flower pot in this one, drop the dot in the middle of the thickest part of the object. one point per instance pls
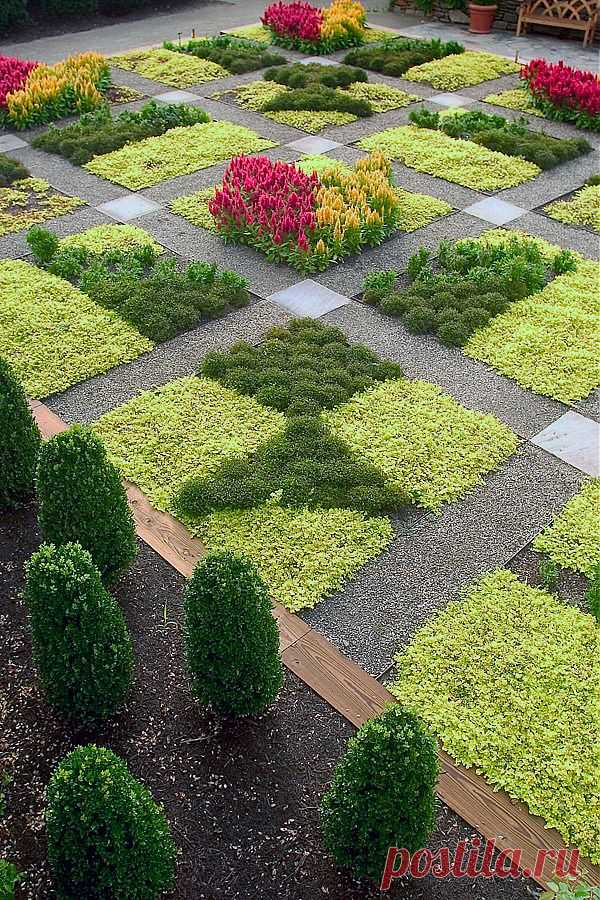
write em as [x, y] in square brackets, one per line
[481, 18]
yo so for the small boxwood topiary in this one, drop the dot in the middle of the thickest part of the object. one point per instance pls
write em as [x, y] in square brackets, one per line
[382, 794]
[81, 645]
[82, 499]
[107, 837]
[19, 440]
[232, 640]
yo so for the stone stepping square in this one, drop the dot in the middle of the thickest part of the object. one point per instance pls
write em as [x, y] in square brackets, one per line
[308, 298]
[575, 439]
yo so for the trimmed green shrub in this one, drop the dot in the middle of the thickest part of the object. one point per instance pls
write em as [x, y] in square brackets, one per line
[9, 877]
[306, 465]
[382, 794]
[300, 369]
[81, 499]
[314, 87]
[232, 640]
[12, 13]
[107, 837]
[11, 170]
[19, 440]
[394, 57]
[297, 75]
[81, 645]
[592, 594]
[235, 55]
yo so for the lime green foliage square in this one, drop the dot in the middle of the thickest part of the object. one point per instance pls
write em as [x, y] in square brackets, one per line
[255, 32]
[194, 208]
[161, 438]
[179, 151]
[254, 94]
[381, 97]
[573, 539]
[428, 445]
[111, 237]
[32, 201]
[453, 159]
[418, 210]
[548, 342]
[509, 680]
[515, 98]
[186, 428]
[310, 120]
[582, 209]
[169, 67]
[320, 163]
[462, 70]
[372, 35]
[54, 335]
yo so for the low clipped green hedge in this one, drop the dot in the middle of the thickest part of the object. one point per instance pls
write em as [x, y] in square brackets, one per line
[20, 440]
[11, 170]
[235, 55]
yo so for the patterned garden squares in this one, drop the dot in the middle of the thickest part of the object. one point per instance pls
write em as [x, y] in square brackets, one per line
[508, 678]
[169, 67]
[177, 152]
[54, 335]
[453, 159]
[31, 201]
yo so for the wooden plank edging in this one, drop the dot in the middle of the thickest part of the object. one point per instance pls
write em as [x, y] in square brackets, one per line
[354, 693]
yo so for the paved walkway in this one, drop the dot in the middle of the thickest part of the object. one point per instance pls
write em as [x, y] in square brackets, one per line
[212, 17]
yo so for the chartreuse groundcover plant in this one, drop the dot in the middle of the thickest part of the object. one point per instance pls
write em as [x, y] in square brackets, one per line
[453, 159]
[522, 705]
[461, 70]
[572, 541]
[515, 98]
[30, 201]
[101, 238]
[179, 151]
[583, 208]
[54, 335]
[233, 54]
[169, 67]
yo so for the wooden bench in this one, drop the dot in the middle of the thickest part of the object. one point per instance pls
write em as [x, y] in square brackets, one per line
[579, 14]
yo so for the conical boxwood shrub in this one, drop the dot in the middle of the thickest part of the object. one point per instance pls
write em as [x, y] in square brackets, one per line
[107, 837]
[82, 499]
[382, 794]
[19, 440]
[232, 640]
[81, 645]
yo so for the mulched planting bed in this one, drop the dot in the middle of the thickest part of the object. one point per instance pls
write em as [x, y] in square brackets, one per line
[254, 785]
[30, 201]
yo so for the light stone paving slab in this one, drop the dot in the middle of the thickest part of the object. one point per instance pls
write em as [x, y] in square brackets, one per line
[178, 97]
[451, 100]
[495, 211]
[128, 208]
[10, 142]
[574, 439]
[313, 144]
[308, 298]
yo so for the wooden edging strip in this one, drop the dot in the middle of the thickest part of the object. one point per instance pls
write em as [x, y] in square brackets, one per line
[355, 694]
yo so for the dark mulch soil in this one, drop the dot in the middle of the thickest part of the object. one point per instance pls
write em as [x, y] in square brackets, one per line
[242, 798]
[570, 586]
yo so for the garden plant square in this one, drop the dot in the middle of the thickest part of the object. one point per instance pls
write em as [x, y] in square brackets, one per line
[299, 453]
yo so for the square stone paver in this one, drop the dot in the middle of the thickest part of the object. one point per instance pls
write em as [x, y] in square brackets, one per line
[451, 100]
[129, 207]
[308, 298]
[321, 60]
[574, 439]
[10, 142]
[177, 97]
[313, 145]
[496, 211]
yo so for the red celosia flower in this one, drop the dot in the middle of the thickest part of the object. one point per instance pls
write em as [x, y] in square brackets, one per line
[562, 86]
[294, 20]
[13, 75]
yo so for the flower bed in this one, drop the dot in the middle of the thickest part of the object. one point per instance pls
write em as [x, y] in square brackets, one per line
[301, 26]
[54, 335]
[573, 539]
[461, 70]
[169, 67]
[30, 201]
[234, 55]
[47, 93]
[460, 161]
[583, 208]
[177, 152]
[564, 93]
[522, 704]
[13, 75]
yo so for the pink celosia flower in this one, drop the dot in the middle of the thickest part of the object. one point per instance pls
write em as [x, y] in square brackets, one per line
[563, 86]
[13, 75]
[294, 20]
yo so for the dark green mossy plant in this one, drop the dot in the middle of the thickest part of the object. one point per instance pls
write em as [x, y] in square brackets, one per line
[592, 594]
[144, 289]
[11, 170]
[315, 87]
[20, 440]
[81, 499]
[297, 75]
[107, 837]
[234, 54]
[81, 645]
[300, 369]
[382, 794]
[232, 640]
[305, 466]
[510, 138]
[396, 56]
[9, 878]
[98, 132]
[473, 282]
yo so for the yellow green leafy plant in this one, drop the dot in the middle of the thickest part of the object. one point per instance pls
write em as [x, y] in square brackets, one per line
[515, 98]
[255, 32]
[54, 335]
[461, 70]
[460, 161]
[179, 70]
[381, 97]
[100, 238]
[509, 680]
[179, 151]
[429, 446]
[31, 201]
[573, 539]
[195, 209]
[310, 120]
[582, 209]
